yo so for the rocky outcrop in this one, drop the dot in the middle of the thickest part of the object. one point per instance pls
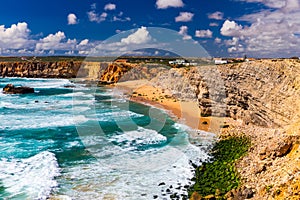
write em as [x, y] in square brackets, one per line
[60, 69]
[11, 89]
[113, 73]
[120, 72]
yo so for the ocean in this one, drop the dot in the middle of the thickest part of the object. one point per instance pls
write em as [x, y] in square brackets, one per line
[83, 142]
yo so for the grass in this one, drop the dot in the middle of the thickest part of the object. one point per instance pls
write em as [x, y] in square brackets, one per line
[220, 176]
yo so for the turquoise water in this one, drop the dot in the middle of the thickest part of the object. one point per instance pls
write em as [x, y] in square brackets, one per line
[82, 142]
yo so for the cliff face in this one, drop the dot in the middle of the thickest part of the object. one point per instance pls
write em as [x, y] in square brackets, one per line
[264, 97]
[39, 69]
[261, 92]
[120, 72]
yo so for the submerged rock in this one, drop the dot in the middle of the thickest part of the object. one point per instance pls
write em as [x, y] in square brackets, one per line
[11, 89]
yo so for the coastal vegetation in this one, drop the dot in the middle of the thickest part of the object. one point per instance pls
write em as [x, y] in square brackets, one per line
[216, 178]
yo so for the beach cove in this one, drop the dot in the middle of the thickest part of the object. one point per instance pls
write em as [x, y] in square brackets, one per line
[251, 106]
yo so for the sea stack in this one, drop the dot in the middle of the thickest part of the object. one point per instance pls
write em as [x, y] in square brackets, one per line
[11, 89]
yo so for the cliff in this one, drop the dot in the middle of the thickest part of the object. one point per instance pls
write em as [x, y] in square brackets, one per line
[261, 92]
[261, 99]
[40, 69]
[120, 72]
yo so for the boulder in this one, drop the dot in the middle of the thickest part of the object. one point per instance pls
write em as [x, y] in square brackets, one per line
[11, 89]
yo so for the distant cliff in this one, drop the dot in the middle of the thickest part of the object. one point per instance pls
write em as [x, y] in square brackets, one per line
[40, 69]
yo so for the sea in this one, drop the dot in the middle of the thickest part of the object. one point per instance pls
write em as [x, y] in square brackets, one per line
[71, 140]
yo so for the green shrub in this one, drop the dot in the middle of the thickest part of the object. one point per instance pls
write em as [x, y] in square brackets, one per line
[220, 175]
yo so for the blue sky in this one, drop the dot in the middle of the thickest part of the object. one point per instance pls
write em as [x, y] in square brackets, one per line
[257, 28]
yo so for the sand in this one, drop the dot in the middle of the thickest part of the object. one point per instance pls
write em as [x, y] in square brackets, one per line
[186, 112]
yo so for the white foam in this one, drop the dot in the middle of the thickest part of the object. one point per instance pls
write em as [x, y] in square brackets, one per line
[16, 122]
[141, 136]
[117, 115]
[30, 178]
[134, 175]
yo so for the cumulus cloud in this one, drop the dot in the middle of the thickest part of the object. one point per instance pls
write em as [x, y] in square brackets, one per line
[163, 4]
[94, 17]
[84, 42]
[72, 19]
[52, 41]
[230, 28]
[216, 15]
[14, 37]
[110, 6]
[16, 40]
[271, 33]
[141, 36]
[184, 31]
[203, 33]
[184, 17]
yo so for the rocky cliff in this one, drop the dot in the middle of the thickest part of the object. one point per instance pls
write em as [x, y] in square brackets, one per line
[262, 99]
[39, 69]
[120, 72]
[262, 92]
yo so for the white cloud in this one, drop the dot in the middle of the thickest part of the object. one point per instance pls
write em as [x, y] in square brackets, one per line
[203, 33]
[72, 19]
[216, 15]
[84, 42]
[141, 36]
[15, 37]
[184, 17]
[94, 17]
[163, 4]
[213, 24]
[52, 41]
[110, 6]
[269, 3]
[16, 40]
[218, 40]
[184, 31]
[230, 28]
[271, 33]
[115, 18]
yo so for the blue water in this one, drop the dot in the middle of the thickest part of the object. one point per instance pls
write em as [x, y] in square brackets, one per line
[83, 142]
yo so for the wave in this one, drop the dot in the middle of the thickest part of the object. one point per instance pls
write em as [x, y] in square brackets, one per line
[139, 137]
[30, 178]
[17, 122]
[40, 82]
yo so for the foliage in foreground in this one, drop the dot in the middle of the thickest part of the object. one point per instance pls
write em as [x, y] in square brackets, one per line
[220, 176]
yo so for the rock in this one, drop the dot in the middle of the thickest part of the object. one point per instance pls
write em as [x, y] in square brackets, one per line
[259, 168]
[211, 197]
[283, 148]
[247, 193]
[11, 89]
[162, 183]
[196, 196]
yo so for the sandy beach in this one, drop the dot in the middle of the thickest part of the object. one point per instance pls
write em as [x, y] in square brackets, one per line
[186, 112]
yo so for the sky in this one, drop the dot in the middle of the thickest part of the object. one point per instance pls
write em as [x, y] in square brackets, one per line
[223, 28]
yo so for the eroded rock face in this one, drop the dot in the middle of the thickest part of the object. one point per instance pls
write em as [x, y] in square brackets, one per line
[11, 89]
[261, 92]
[120, 72]
[62, 69]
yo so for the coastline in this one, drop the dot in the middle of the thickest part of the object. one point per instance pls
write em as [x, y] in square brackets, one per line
[262, 170]
[186, 112]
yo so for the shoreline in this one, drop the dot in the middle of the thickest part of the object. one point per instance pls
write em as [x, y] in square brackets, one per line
[263, 169]
[186, 112]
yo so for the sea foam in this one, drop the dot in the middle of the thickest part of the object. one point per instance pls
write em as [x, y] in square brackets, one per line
[30, 178]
